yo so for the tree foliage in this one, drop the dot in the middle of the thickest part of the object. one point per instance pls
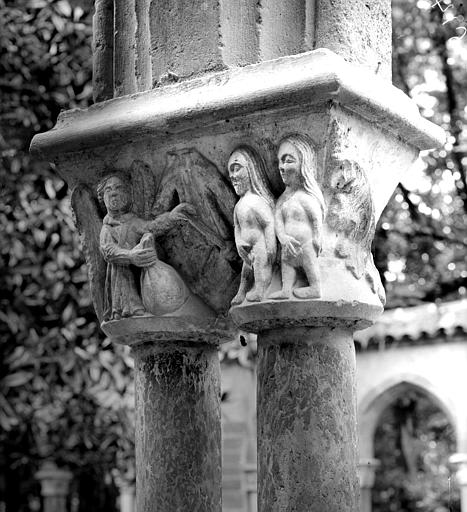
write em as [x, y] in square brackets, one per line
[65, 391]
[421, 243]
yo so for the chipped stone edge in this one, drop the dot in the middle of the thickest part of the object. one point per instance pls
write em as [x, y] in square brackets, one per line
[256, 317]
[306, 79]
[189, 330]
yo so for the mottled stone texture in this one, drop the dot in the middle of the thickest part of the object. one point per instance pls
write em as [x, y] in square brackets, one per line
[307, 439]
[185, 37]
[178, 436]
[54, 504]
[359, 30]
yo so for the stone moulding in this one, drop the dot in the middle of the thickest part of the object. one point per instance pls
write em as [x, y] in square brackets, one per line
[311, 78]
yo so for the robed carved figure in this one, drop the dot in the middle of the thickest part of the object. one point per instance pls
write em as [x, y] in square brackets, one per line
[130, 274]
[255, 238]
[127, 243]
[299, 217]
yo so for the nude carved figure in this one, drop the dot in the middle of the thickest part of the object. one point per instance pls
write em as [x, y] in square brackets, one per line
[255, 238]
[299, 218]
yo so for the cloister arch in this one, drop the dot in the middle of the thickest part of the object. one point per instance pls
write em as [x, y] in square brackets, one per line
[381, 397]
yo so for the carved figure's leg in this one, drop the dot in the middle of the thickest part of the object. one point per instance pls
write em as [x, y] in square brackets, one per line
[288, 279]
[310, 266]
[244, 279]
[262, 275]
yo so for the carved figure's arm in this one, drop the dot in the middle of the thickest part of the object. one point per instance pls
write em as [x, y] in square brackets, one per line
[313, 211]
[161, 224]
[239, 243]
[279, 222]
[315, 216]
[290, 246]
[265, 219]
[111, 252]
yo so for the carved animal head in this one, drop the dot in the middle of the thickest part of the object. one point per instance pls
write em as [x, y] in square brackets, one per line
[348, 177]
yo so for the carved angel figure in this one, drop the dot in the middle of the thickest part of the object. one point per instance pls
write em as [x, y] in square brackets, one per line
[299, 217]
[255, 238]
[120, 238]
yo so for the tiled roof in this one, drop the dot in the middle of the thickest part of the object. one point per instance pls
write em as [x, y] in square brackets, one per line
[417, 324]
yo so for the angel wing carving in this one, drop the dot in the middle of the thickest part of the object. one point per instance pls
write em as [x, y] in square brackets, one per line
[89, 223]
[143, 184]
[202, 249]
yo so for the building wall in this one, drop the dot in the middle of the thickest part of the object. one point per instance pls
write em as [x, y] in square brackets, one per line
[439, 369]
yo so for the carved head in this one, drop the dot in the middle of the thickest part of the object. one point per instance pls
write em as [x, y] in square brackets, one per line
[247, 173]
[114, 191]
[297, 165]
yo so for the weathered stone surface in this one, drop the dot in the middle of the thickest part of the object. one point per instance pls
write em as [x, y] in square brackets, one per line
[102, 50]
[178, 434]
[281, 28]
[54, 486]
[307, 421]
[124, 47]
[239, 33]
[185, 38]
[360, 31]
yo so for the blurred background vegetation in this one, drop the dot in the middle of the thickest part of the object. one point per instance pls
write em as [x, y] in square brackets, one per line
[65, 392]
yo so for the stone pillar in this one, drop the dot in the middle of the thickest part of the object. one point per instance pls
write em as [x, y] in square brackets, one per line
[160, 162]
[251, 486]
[366, 473]
[127, 499]
[459, 460]
[54, 487]
[178, 434]
[306, 420]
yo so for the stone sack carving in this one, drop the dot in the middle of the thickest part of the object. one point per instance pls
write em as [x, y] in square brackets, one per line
[149, 248]
[255, 237]
[127, 244]
[299, 217]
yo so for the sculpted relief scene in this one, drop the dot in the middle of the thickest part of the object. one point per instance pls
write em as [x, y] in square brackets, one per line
[186, 241]
[287, 243]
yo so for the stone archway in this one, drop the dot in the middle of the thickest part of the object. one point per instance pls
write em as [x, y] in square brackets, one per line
[372, 408]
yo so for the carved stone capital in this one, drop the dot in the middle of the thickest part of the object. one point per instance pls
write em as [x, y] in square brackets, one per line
[54, 481]
[179, 144]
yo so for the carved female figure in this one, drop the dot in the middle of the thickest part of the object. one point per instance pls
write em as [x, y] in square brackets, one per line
[254, 224]
[299, 217]
[120, 238]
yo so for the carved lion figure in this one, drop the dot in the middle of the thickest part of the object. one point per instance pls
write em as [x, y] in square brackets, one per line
[351, 214]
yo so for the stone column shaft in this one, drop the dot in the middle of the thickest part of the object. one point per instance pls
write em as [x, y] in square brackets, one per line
[178, 436]
[54, 487]
[366, 473]
[307, 420]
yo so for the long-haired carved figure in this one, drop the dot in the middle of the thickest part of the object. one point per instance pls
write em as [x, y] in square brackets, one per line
[299, 217]
[254, 224]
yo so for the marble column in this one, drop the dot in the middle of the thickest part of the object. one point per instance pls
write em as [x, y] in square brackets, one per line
[306, 420]
[459, 461]
[54, 486]
[366, 473]
[149, 174]
[178, 432]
